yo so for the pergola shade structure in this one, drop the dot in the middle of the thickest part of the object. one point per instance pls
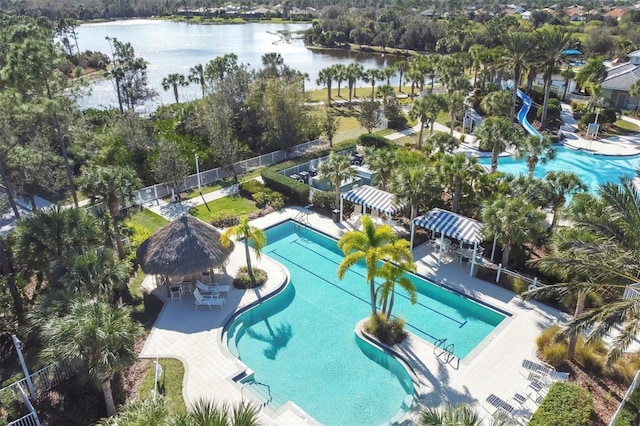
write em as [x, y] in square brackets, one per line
[374, 199]
[182, 247]
[451, 224]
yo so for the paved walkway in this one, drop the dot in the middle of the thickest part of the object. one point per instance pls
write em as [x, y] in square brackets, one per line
[196, 337]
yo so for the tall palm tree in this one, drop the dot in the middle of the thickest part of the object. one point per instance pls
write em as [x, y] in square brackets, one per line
[536, 150]
[98, 271]
[339, 75]
[519, 46]
[196, 75]
[272, 63]
[336, 169]
[353, 73]
[99, 336]
[371, 245]
[567, 75]
[597, 99]
[513, 221]
[372, 76]
[383, 163]
[442, 142]
[557, 186]
[114, 184]
[173, 81]
[606, 248]
[497, 134]
[216, 69]
[455, 105]
[426, 109]
[477, 52]
[388, 73]
[44, 239]
[395, 274]
[252, 236]
[455, 171]
[497, 103]
[401, 68]
[325, 78]
[551, 42]
[413, 185]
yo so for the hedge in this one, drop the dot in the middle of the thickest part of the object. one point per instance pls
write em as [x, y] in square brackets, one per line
[566, 404]
[286, 185]
[375, 141]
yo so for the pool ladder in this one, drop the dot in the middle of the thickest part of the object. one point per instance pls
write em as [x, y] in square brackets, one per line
[302, 218]
[256, 387]
[444, 351]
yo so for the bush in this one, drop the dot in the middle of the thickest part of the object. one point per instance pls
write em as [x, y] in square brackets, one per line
[555, 354]
[284, 184]
[565, 404]
[589, 359]
[625, 369]
[243, 281]
[224, 219]
[261, 199]
[374, 141]
[250, 187]
[324, 200]
[519, 286]
[553, 110]
[547, 337]
[388, 332]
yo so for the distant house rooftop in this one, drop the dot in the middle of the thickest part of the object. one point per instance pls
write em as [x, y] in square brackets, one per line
[616, 13]
[622, 77]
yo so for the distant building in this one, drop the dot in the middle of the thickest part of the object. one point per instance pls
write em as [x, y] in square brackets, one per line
[615, 86]
[616, 13]
[526, 15]
[575, 13]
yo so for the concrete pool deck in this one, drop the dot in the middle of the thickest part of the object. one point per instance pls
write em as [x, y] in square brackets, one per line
[194, 336]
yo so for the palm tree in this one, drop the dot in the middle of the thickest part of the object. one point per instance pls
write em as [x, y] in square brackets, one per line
[513, 221]
[98, 336]
[557, 185]
[217, 68]
[605, 245]
[519, 46]
[173, 81]
[371, 245]
[567, 74]
[353, 73]
[142, 412]
[371, 76]
[395, 274]
[336, 169]
[550, 43]
[597, 99]
[456, 170]
[97, 271]
[413, 185]
[536, 150]
[455, 104]
[497, 134]
[339, 75]
[497, 103]
[209, 413]
[272, 63]
[401, 68]
[593, 72]
[478, 52]
[252, 236]
[426, 109]
[43, 240]
[634, 90]
[114, 184]
[388, 73]
[383, 163]
[196, 75]
[325, 78]
[459, 415]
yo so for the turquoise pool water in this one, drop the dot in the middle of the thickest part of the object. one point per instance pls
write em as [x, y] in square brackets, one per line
[592, 169]
[302, 342]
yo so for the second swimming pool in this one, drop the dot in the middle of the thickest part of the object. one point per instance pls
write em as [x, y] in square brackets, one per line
[302, 342]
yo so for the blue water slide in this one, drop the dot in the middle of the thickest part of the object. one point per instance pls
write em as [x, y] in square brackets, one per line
[522, 114]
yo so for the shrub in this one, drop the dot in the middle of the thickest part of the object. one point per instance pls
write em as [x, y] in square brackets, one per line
[284, 184]
[388, 332]
[261, 199]
[625, 369]
[324, 200]
[277, 200]
[242, 280]
[547, 337]
[375, 141]
[553, 110]
[519, 286]
[589, 359]
[224, 218]
[565, 404]
[555, 354]
[250, 187]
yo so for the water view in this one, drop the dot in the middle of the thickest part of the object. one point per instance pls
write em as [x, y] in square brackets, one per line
[173, 47]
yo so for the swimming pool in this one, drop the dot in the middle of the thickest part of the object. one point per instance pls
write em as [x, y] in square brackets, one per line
[302, 342]
[593, 170]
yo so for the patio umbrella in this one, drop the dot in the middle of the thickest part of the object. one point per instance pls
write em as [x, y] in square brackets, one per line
[183, 247]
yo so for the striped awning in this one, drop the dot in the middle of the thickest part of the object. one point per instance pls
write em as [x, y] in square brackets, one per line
[451, 224]
[374, 198]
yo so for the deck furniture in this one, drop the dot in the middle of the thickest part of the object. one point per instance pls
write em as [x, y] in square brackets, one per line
[207, 300]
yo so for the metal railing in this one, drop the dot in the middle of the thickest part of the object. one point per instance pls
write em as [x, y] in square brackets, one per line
[44, 379]
[304, 167]
[162, 190]
[632, 388]
[30, 419]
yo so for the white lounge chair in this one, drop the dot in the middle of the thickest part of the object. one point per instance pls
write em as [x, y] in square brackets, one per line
[207, 300]
[214, 288]
[537, 368]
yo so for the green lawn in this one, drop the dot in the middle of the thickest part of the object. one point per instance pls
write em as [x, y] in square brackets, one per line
[619, 128]
[238, 205]
[169, 384]
[320, 95]
[147, 220]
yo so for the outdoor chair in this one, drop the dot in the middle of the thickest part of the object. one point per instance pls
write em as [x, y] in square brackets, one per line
[536, 368]
[357, 212]
[207, 300]
[214, 289]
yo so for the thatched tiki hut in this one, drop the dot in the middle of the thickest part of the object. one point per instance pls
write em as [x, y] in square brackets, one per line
[184, 247]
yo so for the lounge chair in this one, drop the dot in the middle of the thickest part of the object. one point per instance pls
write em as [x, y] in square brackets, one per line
[537, 368]
[498, 405]
[207, 300]
[357, 212]
[214, 288]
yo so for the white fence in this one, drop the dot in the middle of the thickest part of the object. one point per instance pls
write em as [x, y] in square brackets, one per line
[304, 167]
[161, 190]
[30, 419]
[633, 387]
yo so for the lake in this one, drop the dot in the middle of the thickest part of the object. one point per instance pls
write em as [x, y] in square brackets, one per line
[174, 47]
